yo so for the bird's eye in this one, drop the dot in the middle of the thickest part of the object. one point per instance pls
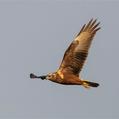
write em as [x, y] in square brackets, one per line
[49, 76]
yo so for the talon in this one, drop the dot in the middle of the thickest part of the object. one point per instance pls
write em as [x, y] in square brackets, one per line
[86, 85]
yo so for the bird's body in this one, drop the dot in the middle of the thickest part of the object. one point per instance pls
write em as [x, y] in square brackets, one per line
[64, 78]
[74, 58]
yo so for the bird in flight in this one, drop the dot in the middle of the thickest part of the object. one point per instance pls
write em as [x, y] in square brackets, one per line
[74, 59]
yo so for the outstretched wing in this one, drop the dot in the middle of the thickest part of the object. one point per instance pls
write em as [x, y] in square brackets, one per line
[77, 52]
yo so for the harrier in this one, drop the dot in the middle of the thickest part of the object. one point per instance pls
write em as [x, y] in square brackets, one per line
[74, 59]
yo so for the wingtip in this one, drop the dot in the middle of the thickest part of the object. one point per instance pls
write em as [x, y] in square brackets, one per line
[92, 26]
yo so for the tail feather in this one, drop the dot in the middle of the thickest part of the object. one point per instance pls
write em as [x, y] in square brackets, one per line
[92, 84]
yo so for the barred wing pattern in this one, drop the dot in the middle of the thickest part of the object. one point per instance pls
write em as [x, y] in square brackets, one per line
[77, 52]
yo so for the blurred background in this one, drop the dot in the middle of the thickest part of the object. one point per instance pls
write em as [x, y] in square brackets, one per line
[33, 38]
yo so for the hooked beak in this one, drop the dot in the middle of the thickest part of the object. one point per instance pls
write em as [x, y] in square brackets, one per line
[34, 76]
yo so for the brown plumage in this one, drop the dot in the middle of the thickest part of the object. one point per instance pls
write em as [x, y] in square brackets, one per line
[74, 58]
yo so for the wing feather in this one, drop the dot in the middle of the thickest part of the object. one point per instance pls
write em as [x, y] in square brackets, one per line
[77, 52]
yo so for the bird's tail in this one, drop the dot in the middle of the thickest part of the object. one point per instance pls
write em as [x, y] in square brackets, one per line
[88, 84]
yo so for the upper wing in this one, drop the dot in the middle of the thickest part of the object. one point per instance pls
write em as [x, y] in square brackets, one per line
[77, 52]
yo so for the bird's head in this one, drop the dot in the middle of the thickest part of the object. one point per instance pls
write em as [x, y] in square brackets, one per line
[50, 76]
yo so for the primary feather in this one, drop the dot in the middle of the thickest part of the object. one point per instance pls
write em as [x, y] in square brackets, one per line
[77, 52]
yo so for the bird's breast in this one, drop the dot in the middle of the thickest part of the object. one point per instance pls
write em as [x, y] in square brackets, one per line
[60, 74]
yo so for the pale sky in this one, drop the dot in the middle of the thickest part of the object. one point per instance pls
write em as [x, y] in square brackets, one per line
[33, 38]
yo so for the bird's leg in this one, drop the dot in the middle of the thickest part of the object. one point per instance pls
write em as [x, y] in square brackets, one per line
[32, 76]
[84, 84]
